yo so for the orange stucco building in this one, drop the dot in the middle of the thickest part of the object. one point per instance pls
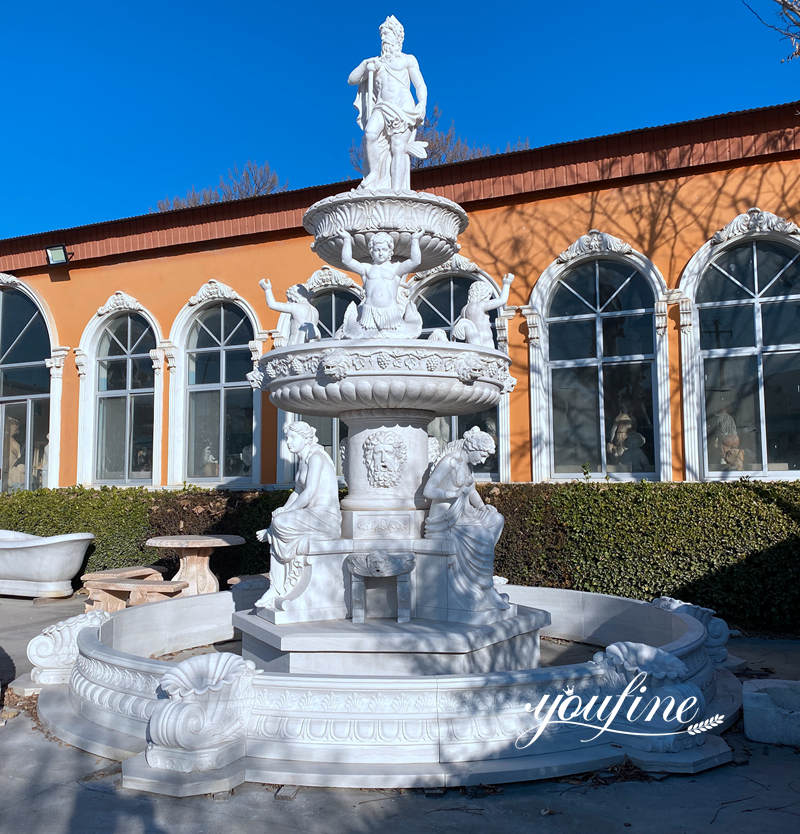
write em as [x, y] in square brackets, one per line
[632, 344]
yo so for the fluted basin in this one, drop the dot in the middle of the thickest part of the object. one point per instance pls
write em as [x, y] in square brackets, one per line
[331, 377]
[400, 214]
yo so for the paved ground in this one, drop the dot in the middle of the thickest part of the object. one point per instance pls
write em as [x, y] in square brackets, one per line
[47, 787]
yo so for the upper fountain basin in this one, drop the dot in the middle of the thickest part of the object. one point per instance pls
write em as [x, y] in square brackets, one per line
[399, 213]
[333, 376]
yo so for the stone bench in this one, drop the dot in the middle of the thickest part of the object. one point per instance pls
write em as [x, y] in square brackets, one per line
[114, 589]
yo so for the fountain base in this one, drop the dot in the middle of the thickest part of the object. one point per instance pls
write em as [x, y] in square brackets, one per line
[383, 647]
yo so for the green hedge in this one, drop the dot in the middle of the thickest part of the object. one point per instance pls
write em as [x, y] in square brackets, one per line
[123, 519]
[734, 547]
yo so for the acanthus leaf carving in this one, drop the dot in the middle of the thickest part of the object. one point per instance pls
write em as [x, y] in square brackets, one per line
[457, 263]
[754, 220]
[54, 651]
[594, 243]
[120, 302]
[213, 290]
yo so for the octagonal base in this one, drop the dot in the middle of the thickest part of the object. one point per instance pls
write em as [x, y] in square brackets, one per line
[421, 647]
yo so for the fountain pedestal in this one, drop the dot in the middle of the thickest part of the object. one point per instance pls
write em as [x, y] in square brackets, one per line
[381, 647]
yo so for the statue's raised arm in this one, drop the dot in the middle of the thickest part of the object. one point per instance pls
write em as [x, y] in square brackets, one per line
[387, 112]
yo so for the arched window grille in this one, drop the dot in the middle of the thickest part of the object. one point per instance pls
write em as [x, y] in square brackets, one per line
[125, 401]
[24, 393]
[220, 398]
[439, 303]
[601, 365]
[748, 307]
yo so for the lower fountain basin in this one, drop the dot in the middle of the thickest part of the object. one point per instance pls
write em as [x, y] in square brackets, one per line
[421, 647]
[379, 731]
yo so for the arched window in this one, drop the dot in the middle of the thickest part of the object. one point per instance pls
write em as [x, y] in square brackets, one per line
[599, 365]
[331, 304]
[748, 307]
[24, 392]
[125, 401]
[220, 398]
[439, 301]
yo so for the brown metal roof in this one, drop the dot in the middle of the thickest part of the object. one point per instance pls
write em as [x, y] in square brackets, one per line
[730, 138]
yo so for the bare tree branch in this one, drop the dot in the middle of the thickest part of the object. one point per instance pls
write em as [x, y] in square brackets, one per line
[251, 181]
[788, 25]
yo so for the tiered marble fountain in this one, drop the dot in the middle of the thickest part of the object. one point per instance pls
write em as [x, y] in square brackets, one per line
[382, 654]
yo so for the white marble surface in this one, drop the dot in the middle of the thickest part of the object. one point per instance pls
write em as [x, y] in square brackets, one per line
[40, 566]
[387, 112]
[772, 711]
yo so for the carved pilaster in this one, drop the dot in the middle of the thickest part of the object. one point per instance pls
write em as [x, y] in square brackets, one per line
[686, 314]
[504, 316]
[157, 357]
[534, 322]
[55, 362]
[661, 317]
[81, 361]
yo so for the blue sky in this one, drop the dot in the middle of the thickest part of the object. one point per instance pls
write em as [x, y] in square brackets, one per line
[109, 107]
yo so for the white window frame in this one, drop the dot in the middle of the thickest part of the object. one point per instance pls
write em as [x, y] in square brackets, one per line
[55, 363]
[460, 267]
[176, 353]
[587, 248]
[753, 224]
[86, 360]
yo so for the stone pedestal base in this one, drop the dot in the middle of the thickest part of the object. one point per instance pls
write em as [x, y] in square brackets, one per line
[322, 588]
[421, 647]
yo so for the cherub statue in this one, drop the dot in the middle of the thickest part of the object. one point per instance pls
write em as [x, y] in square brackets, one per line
[303, 316]
[385, 310]
[312, 512]
[387, 113]
[473, 324]
[458, 512]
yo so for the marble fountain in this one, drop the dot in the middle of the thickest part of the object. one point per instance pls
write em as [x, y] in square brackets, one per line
[384, 653]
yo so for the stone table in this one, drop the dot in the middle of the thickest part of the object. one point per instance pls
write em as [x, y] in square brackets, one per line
[194, 552]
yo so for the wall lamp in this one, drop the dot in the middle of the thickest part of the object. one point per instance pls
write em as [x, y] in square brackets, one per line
[57, 255]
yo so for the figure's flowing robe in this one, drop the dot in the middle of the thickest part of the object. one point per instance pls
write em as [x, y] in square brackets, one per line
[475, 531]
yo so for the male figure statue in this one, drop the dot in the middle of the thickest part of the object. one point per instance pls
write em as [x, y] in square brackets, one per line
[385, 309]
[387, 113]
